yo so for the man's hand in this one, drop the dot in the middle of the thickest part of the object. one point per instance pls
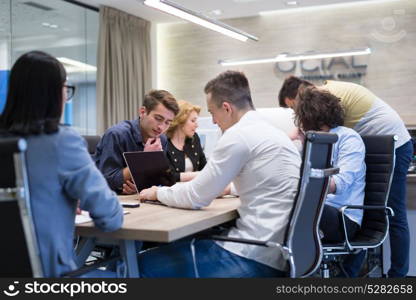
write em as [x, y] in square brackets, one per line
[153, 144]
[126, 174]
[297, 134]
[148, 194]
[129, 188]
[226, 191]
[187, 176]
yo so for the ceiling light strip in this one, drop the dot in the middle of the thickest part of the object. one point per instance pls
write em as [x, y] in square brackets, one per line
[73, 66]
[200, 19]
[320, 7]
[295, 57]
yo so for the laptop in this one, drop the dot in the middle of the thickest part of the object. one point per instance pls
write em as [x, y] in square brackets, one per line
[148, 169]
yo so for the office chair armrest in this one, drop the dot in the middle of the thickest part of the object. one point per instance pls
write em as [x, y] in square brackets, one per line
[321, 173]
[238, 240]
[83, 270]
[230, 239]
[368, 207]
[362, 207]
[285, 251]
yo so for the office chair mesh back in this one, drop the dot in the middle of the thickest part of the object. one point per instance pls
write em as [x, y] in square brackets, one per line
[379, 160]
[302, 235]
[18, 250]
[92, 142]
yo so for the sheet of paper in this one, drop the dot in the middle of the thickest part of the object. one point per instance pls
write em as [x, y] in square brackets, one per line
[84, 217]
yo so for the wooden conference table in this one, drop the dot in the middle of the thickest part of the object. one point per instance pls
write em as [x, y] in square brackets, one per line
[155, 223]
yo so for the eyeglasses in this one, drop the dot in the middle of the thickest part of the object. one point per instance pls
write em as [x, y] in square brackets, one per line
[70, 91]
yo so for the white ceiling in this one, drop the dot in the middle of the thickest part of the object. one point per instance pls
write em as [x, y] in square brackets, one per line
[228, 8]
[77, 31]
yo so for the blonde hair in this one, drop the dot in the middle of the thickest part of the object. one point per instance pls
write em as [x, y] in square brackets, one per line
[185, 109]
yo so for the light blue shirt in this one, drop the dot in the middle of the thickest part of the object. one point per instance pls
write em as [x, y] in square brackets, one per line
[348, 155]
[61, 172]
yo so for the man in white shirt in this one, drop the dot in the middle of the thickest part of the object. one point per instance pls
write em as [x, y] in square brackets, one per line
[263, 164]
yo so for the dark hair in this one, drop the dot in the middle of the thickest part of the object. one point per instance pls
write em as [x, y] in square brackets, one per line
[154, 97]
[316, 108]
[34, 98]
[232, 87]
[290, 89]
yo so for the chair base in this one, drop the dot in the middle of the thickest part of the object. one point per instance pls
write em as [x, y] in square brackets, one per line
[332, 264]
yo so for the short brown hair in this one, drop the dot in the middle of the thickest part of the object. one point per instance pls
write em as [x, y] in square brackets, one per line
[316, 108]
[154, 97]
[185, 109]
[290, 88]
[232, 87]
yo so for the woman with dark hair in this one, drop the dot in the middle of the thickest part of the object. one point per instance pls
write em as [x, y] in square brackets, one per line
[60, 170]
[321, 111]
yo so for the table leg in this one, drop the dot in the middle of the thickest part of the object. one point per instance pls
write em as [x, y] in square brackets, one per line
[128, 252]
[86, 245]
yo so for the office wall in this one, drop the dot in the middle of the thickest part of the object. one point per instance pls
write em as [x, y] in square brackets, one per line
[61, 29]
[188, 54]
[4, 51]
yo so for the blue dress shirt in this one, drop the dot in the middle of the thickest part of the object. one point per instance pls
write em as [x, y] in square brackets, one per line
[123, 137]
[348, 155]
[61, 172]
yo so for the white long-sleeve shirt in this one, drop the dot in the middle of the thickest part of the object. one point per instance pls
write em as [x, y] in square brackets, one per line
[264, 165]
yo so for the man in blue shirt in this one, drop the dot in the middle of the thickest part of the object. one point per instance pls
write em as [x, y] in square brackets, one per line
[144, 134]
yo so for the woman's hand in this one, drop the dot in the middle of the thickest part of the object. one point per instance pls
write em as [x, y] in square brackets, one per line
[78, 211]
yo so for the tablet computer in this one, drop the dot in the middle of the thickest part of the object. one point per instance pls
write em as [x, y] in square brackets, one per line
[148, 169]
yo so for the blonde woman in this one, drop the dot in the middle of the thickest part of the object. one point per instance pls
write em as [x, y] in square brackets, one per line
[184, 149]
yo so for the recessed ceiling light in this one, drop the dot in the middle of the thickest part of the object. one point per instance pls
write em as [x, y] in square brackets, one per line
[291, 3]
[177, 10]
[216, 12]
[53, 26]
[244, 1]
[74, 66]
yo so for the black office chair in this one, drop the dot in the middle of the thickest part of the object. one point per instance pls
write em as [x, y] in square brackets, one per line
[302, 243]
[92, 142]
[19, 252]
[379, 159]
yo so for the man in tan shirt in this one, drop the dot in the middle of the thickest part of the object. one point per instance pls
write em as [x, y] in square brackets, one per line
[369, 115]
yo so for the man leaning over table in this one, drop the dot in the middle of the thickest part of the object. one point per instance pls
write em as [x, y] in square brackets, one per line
[264, 166]
[143, 134]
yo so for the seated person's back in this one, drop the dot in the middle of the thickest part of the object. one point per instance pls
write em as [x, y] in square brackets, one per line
[60, 169]
[320, 110]
[263, 164]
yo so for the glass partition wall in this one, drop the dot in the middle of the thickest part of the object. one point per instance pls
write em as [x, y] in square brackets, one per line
[64, 30]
